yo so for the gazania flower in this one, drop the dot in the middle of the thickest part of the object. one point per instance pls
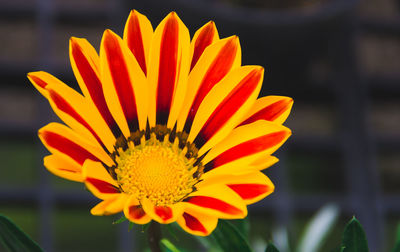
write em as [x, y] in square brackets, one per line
[167, 128]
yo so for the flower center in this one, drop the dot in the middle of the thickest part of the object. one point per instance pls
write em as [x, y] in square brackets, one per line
[157, 170]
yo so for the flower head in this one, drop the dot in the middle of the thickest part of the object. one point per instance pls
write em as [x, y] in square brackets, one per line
[167, 128]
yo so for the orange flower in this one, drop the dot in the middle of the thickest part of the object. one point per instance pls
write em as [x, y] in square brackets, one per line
[166, 128]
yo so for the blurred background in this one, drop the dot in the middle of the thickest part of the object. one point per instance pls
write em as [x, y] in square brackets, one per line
[338, 59]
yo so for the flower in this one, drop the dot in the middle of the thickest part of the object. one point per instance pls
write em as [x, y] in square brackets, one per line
[167, 128]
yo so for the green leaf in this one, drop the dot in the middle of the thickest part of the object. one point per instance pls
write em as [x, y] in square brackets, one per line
[120, 220]
[171, 228]
[354, 239]
[229, 238]
[271, 248]
[145, 227]
[168, 246]
[14, 239]
[397, 244]
[243, 226]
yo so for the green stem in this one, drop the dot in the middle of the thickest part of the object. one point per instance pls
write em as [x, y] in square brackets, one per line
[154, 236]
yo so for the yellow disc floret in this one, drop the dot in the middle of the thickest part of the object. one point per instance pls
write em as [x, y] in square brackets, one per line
[156, 170]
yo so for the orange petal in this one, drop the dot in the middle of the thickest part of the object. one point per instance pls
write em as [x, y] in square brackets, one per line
[251, 187]
[110, 206]
[215, 63]
[61, 140]
[75, 110]
[134, 211]
[63, 167]
[224, 106]
[40, 81]
[85, 64]
[124, 84]
[271, 108]
[162, 214]
[168, 70]
[258, 137]
[99, 181]
[197, 223]
[138, 33]
[217, 200]
[264, 162]
[203, 37]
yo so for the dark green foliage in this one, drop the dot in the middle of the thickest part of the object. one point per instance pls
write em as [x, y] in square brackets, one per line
[397, 244]
[271, 248]
[354, 239]
[14, 239]
[229, 238]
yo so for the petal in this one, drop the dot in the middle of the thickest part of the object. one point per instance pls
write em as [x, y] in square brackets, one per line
[134, 212]
[99, 181]
[218, 201]
[40, 80]
[203, 37]
[168, 70]
[111, 205]
[61, 140]
[224, 106]
[271, 108]
[264, 162]
[261, 137]
[162, 214]
[63, 167]
[75, 111]
[197, 223]
[85, 63]
[251, 187]
[124, 83]
[138, 33]
[215, 63]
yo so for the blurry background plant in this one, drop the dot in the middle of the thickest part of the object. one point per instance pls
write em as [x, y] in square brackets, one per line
[340, 63]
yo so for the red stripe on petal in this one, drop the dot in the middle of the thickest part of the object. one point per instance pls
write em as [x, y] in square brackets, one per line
[121, 80]
[167, 69]
[94, 86]
[65, 107]
[193, 223]
[213, 203]
[218, 69]
[68, 170]
[102, 186]
[234, 100]
[66, 146]
[247, 148]
[249, 191]
[271, 112]
[164, 212]
[136, 212]
[204, 39]
[135, 41]
[38, 81]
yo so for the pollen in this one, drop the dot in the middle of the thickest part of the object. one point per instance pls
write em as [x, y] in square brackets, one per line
[157, 170]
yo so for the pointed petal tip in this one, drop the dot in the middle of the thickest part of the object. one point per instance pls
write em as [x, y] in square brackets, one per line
[30, 74]
[211, 24]
[173, 15]
[133, 13]
[234, 39]
[72, 39]
[76, 40]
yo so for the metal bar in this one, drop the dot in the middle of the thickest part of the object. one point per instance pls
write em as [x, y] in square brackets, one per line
[356, 144]
[45, 204]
